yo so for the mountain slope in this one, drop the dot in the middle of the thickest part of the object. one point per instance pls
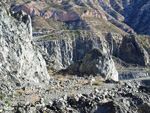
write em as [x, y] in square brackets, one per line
[125, 15]
[104, 15]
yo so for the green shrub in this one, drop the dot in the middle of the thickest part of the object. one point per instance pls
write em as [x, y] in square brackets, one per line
[3, 96]
[7, 102]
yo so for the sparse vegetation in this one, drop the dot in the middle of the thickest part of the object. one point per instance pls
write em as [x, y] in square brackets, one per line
[51, 90]
[114, 57]
[74, 93]
[62, 79]
[50, 67]
[85, 76]
[3, 96]
[144, 39]
[99, 24]
[70, 34]
[83, 82]
[39, 22]
[59, 88]
[70, 76]
[7, 11]
[7, 102]
[16, 94]
[76, 85]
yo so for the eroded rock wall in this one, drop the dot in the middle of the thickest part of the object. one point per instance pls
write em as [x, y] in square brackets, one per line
[63, 52]
[128, 48]
[20, 61]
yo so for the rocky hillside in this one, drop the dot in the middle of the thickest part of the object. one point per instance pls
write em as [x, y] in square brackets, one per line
[123, 16]
[25, 85]
[20, 61]
[78, 26]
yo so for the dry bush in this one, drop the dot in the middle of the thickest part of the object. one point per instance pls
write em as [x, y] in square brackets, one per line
[76, 85]
[51, 90]
[18, 93]
[21, 92]
[62, 79]
[74, 93]
[59, 88]
[85, 76]
[83, 82]
[97, 83]
[70, 76]
[99, 79]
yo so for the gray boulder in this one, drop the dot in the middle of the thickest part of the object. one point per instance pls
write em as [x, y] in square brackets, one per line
[20, 61]
[104, 108]
[60, 105]
[98, 63]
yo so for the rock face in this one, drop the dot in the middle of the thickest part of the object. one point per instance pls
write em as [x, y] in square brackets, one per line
[131, 51]
[56, 15]
[66, 51]
[128, 48]
[65, 16]
[98, 63]
[94, 13]
[20, 61]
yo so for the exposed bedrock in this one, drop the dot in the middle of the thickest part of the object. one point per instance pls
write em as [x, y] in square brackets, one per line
[20, 61]
[98, 63]
[63, 52]
[128, 48]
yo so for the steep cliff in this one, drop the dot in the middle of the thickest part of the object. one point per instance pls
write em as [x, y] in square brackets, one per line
[65, 51]
[20, 61]
[128, 48]
[82, 52]
[76, 44]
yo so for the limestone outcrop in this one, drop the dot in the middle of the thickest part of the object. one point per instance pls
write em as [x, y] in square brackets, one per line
[20, 61]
